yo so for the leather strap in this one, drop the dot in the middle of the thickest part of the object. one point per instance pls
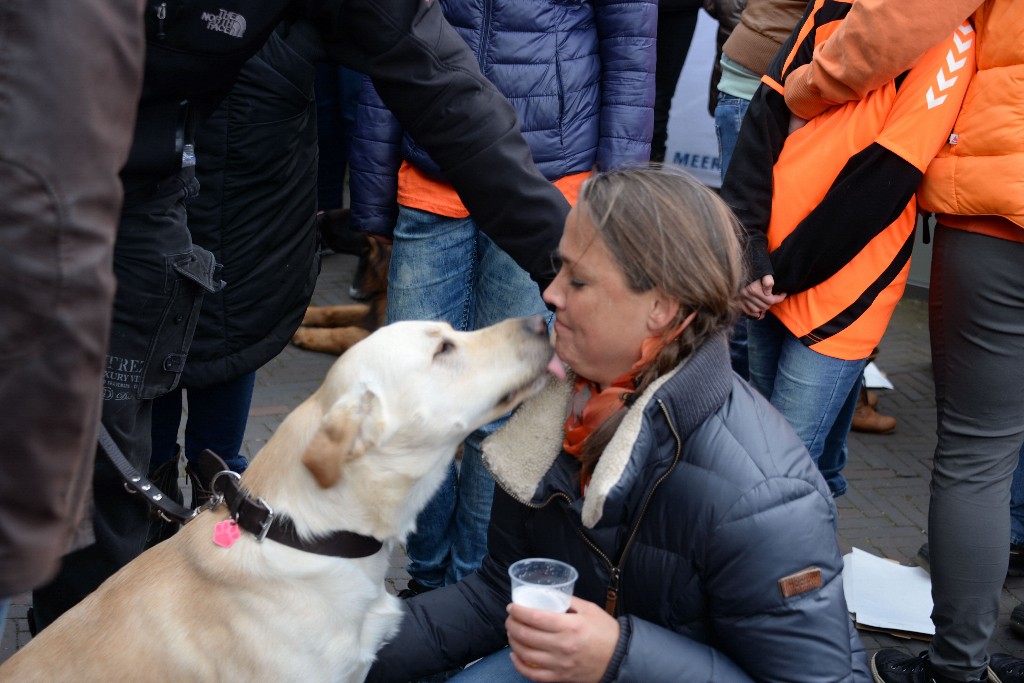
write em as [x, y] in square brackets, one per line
[136, 482]
[255, 516]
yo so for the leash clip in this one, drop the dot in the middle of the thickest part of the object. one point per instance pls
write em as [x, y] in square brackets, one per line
[217, 496]
[212, 503]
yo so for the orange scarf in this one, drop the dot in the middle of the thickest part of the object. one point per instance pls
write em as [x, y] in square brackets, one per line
[591, 406]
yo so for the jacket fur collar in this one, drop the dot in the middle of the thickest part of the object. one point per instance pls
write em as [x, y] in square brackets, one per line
[523, 450]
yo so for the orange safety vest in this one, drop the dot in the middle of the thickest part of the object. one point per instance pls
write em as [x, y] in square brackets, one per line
[894, 131]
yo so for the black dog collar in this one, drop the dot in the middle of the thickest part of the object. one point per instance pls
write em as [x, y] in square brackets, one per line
[259, 519]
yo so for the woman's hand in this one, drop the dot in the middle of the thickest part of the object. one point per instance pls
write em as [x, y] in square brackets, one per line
[574, 646]
[758, 297]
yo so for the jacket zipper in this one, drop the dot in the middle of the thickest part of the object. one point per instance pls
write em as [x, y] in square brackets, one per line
[161, 14]
[611, 597]
[611, 602]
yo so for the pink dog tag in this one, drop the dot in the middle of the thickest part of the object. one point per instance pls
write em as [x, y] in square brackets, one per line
[226, 533]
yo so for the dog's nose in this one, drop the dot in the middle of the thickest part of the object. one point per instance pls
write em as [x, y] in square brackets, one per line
[535, 325]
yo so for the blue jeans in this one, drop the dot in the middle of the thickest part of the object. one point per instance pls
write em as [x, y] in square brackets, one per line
[729, 113]
[217, 416]
[446, 269]
[494, 668]
[816, 394]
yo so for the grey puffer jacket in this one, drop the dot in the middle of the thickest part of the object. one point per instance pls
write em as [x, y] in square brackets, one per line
[702, 503]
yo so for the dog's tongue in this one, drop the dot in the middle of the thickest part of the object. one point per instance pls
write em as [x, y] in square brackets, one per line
[556, 368]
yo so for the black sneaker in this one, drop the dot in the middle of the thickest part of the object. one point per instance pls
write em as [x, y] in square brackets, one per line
[413, 589]
[1005, 669]
[895, 666]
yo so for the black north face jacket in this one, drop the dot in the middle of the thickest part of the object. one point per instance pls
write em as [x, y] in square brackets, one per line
[420, 67]
[256, 209]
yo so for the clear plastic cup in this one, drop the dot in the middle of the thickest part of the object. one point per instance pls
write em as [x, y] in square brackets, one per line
[541, 583]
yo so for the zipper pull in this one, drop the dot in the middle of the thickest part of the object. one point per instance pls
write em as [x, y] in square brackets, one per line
[161, 14]
[611, 599]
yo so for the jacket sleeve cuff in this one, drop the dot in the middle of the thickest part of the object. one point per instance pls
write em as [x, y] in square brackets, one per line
[801, 98]
[621, 647]
[759, 263]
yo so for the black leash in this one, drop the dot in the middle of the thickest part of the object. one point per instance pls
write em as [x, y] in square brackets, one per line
[255, 516]
[136, 482]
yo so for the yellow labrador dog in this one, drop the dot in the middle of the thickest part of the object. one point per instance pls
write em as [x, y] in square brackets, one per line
[346, 472]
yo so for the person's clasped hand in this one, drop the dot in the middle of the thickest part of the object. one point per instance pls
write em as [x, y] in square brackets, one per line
[571, 647]
[759, 296]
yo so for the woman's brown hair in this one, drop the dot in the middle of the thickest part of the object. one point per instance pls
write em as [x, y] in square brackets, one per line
[667, 231]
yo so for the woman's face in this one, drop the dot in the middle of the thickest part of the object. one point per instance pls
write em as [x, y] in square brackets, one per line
[599, 321]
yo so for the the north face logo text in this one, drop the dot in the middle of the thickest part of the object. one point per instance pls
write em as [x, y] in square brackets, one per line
[231, 23]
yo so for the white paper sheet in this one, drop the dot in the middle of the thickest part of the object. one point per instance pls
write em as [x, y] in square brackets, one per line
[875, 378]
[886, 595]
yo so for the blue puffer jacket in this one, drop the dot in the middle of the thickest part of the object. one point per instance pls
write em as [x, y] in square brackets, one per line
[701, 507]
[579, 73]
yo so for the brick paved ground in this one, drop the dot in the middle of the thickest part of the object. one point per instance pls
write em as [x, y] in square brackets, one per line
[884, 512]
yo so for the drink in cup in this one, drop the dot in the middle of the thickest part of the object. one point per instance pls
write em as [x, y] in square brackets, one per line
[541, 583]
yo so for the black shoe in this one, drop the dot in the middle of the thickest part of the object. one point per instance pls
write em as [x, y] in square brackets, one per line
[1017, 620]
[895, 666]
[413, 589]
[1005, 669]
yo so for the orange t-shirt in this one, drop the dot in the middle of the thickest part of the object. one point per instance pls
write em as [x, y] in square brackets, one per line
[417, 190]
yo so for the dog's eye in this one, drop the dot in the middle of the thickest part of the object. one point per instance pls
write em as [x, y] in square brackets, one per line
[444, 347]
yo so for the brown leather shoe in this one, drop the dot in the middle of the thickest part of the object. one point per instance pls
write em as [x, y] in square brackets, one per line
[867, 419]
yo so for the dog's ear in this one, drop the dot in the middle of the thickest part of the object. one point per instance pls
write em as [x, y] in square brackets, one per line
[346, 431]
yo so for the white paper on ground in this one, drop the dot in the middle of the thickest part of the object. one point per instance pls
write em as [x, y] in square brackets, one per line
[875, 378]
[886, 595]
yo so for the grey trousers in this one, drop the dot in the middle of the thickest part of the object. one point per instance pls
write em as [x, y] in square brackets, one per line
[70, 76]
[976, 324]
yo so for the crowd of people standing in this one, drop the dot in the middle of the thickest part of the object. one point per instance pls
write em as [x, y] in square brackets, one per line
[503, 152]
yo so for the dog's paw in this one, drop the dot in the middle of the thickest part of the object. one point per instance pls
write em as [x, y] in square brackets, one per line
[301, 338]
